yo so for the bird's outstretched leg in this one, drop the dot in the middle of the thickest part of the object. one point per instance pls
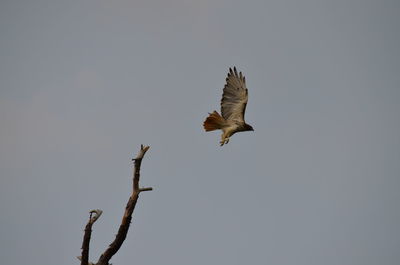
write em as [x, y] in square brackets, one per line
[224, 139]
[227, 140]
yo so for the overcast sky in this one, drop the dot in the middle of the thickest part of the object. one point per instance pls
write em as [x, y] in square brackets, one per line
[84, 82]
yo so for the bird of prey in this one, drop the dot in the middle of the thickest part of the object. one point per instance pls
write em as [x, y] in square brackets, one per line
[233, 107]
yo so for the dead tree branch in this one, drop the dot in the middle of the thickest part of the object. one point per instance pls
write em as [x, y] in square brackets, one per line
[127, 217]
[94, 215]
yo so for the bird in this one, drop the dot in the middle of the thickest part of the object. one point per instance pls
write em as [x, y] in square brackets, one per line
[233, 106]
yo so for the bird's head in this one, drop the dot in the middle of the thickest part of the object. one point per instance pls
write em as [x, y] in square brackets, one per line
[248, 127]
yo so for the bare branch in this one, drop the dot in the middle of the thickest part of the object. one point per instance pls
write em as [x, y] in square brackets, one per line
[97, 213]
[127, 217]
[136, 169]
[86, 238]
[145, 189]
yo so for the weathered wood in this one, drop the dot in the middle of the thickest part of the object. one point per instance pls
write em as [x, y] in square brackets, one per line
[130, 206]
[86, 238]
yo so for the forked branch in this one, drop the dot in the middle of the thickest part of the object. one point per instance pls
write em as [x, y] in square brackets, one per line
[126, 219]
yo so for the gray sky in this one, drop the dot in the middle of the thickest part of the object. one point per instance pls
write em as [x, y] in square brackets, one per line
[84, 83]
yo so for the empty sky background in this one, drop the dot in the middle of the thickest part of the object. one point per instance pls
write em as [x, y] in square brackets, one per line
[84, 83]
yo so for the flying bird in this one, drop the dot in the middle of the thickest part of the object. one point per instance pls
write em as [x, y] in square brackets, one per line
[233, 107]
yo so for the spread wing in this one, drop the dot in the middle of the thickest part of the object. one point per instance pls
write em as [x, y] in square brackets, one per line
[234, 97]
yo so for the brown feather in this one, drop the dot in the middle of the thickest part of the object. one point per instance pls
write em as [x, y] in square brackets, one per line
[214, 122]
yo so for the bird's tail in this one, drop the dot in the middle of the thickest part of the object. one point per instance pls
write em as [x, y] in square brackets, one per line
[214, 122]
